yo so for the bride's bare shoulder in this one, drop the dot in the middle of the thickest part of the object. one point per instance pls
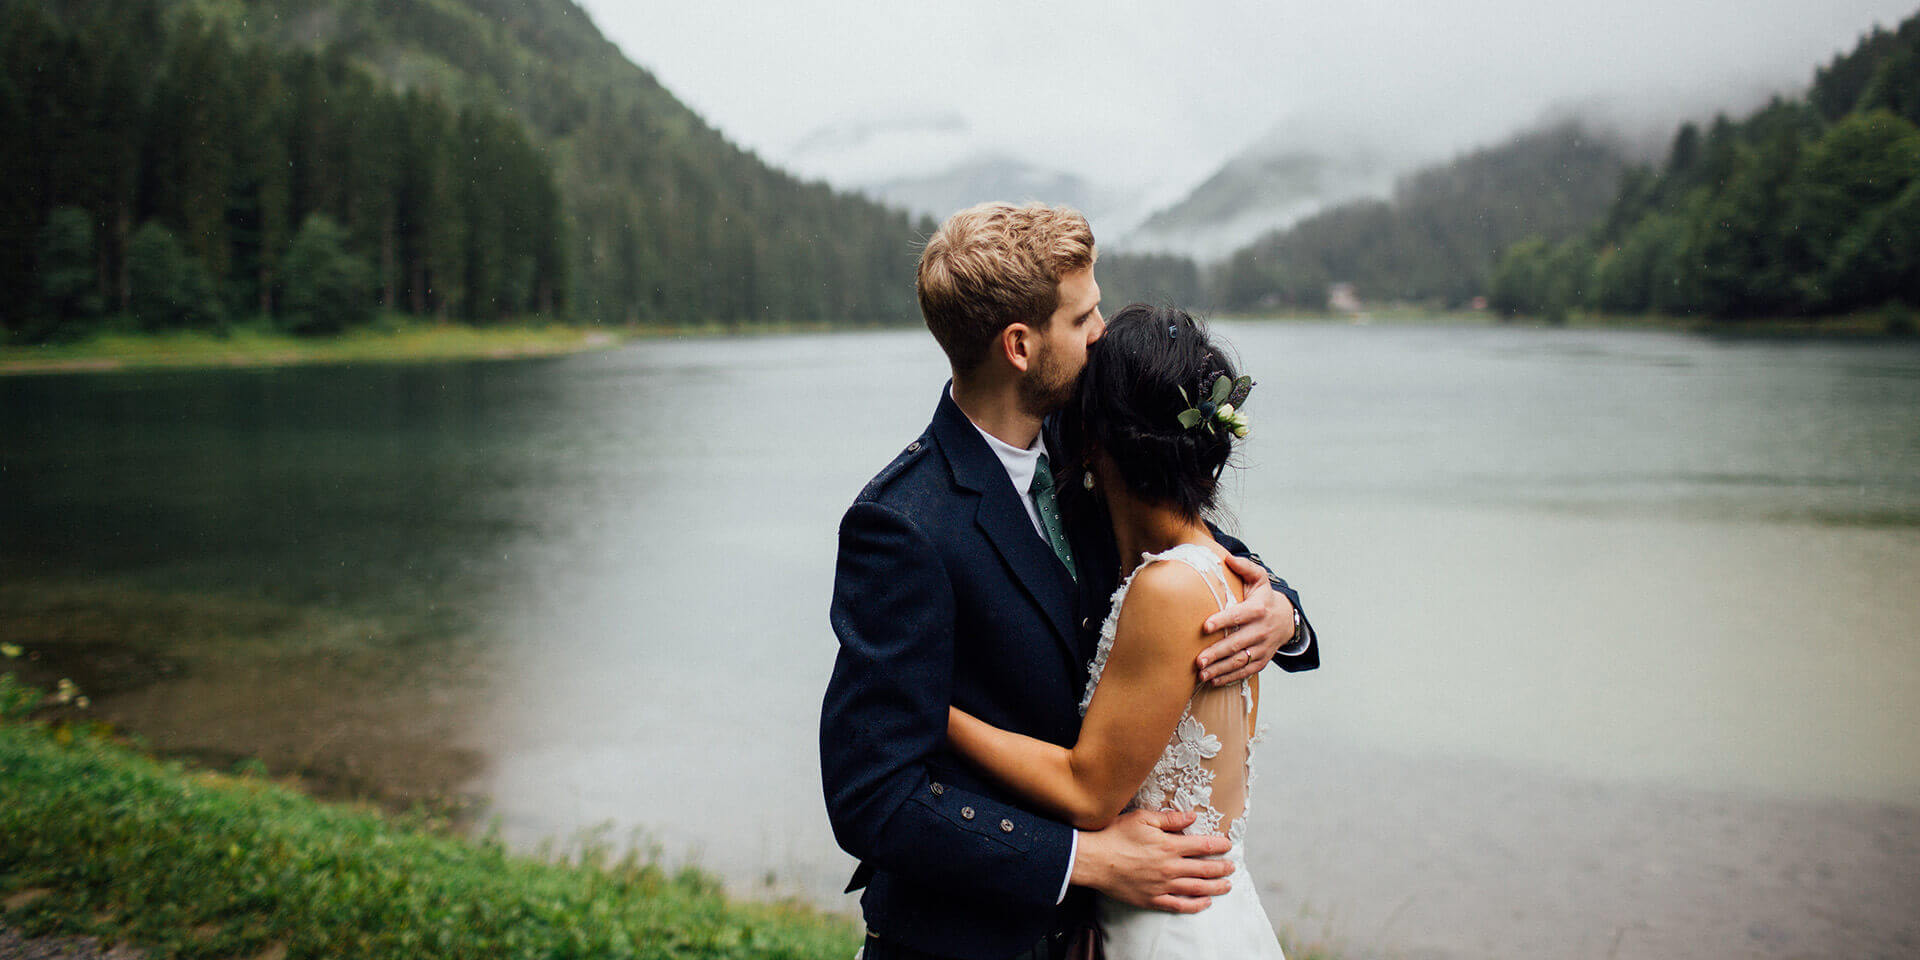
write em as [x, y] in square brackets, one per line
[1167, 602]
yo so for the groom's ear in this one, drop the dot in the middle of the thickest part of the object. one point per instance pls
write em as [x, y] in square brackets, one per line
[1018, 344]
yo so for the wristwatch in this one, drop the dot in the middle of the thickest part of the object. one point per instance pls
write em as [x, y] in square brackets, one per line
[1298, 642]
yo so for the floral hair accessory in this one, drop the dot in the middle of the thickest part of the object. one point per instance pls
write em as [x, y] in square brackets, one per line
[1220, 408]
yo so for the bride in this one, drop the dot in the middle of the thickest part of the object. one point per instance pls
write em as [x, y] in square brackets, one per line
[1150, 432]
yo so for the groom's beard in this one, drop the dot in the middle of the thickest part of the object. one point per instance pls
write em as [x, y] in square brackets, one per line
[1047, 387]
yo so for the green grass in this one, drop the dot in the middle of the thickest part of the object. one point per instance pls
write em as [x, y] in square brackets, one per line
[1893, 320]
[100, 840]
[1387, 314]
[394, 338]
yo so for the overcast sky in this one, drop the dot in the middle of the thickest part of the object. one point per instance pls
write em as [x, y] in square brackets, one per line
[1140, 94]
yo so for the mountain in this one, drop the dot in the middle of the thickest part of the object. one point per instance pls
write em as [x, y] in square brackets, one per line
[663, 219]
[1000, 177]
[872, 148]
[1437, 237]
[1257, 192]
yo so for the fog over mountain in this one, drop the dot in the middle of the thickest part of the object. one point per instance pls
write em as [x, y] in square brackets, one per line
[856, 151]
[1147, 102]
[1253, 194]
[930, 163]
[1307, 164]
[1001, 177]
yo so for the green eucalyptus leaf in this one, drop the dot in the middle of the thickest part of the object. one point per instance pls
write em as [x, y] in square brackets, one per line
[1220, 388]
[1241, 387]
[1188, 418]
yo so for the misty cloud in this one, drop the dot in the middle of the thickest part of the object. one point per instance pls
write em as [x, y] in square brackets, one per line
[1157, 97]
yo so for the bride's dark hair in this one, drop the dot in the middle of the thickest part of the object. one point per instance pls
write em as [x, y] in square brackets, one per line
[1129, 401]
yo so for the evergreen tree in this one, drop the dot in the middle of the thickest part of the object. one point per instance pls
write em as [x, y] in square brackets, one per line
[170, 289]
[1895, 86]
[32, 62]
[68, 274]
[1875, 261]
[1683, 157]
[1862, 163]
[1743, 257]
[1566, 279]
[1519, 282]
[1150, 278]
[1837, 87]
[328, 288]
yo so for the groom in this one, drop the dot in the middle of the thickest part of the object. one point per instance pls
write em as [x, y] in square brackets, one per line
[958, 584]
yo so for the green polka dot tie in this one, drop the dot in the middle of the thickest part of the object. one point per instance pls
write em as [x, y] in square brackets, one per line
[1042, 491]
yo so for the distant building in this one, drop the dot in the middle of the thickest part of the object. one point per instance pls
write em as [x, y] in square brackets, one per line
[1341, 298]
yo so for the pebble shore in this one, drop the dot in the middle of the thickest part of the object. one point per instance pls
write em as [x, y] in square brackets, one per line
[13, 946]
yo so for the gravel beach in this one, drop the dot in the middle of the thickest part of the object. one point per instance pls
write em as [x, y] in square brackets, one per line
[13, 946]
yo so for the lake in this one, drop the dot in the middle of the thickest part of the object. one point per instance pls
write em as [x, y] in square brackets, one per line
[1620, 629]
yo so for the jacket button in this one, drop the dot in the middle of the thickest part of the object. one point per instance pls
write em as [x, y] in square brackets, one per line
[938, 789]
[1006, 826]
[913, 447]
[1086, 623]
[966, 813]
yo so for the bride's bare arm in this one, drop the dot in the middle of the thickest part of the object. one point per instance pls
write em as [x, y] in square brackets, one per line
[1149, 677]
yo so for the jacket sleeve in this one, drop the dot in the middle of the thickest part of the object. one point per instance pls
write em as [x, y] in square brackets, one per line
[1307, 659]
[885, 714]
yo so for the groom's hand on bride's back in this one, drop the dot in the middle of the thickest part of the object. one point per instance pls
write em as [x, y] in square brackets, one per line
[1143, 859]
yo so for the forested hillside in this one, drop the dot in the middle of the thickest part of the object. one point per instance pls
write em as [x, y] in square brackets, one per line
[199, 162]
[1260, 191]
[1151, 278]
[1437, 239]
[184, 180]
[1807, 207]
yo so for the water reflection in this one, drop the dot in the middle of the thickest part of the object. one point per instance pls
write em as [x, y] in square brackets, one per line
[672, 630]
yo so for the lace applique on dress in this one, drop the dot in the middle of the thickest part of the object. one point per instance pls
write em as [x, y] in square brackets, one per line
[1179, 781]
[1183, 777]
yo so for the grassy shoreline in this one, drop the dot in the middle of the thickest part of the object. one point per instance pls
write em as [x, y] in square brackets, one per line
[393, 339]
[399, 341]
[396, 339]
[1885, 323]
[99, 840]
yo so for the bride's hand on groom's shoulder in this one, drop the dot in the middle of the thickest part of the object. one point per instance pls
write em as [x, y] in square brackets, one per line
[1143, 859]
[1256, 628]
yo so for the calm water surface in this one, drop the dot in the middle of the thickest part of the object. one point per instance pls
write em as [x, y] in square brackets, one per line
[1622, 652]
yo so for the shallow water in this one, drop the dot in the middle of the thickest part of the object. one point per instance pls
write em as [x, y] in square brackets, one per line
[1620, 641]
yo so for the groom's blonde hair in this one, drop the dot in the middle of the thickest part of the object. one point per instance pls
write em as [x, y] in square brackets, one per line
[997, 264]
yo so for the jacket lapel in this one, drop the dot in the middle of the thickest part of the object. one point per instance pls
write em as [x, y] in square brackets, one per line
[1003, 519]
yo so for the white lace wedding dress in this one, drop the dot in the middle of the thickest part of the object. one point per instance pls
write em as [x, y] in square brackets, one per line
[1207, 769]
